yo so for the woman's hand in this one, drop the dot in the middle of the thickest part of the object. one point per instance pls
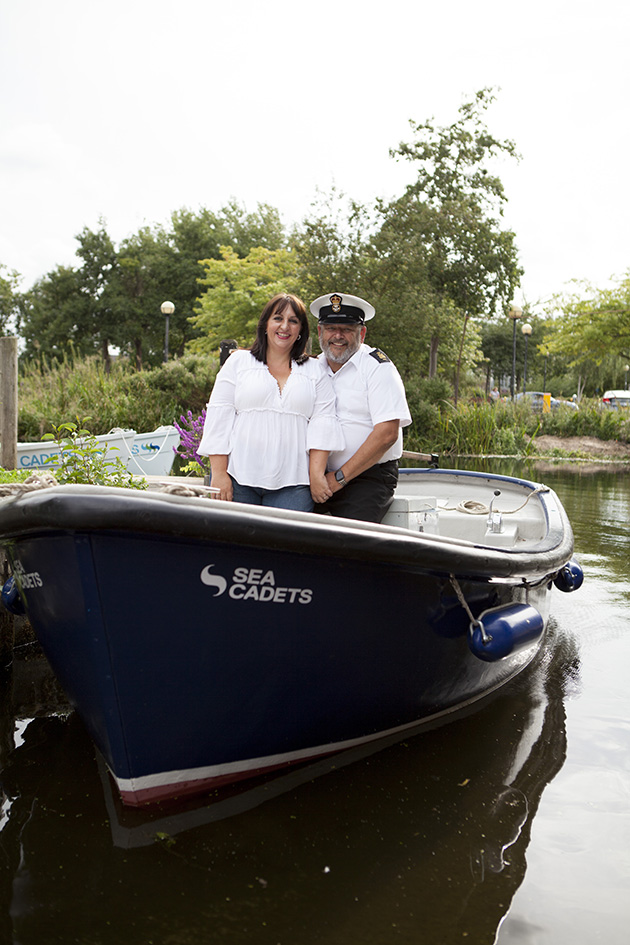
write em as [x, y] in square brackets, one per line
[320, 490]
[222, 482]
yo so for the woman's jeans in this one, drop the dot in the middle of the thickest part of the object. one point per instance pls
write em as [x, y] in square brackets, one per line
[297, 498]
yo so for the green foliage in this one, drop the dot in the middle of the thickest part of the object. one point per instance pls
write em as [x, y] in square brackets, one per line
[113, 297]
[237, 291]
[332, 248]
[83, 460]
[49, 394]
[53, 317]
[9, 298]
[590, 420]
[446, 229]
[482, 429]
[594, 323]
[14, 475]
[503, 428]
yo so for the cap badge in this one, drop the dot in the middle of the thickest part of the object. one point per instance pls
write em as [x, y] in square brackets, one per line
[335, 301]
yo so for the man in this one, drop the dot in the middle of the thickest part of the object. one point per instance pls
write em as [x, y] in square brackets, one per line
[371, 406]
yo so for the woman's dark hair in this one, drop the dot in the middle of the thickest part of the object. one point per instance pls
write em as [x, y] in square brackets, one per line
[276, 306]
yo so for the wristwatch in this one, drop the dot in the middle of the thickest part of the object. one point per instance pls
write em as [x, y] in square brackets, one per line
[339, 476]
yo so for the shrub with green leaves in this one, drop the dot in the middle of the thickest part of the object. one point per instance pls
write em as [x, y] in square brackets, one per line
[82, 459]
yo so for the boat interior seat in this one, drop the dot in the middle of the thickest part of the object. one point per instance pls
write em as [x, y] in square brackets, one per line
[423, 514]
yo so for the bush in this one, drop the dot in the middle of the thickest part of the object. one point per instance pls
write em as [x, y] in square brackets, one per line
[590, 420]
[51, 395]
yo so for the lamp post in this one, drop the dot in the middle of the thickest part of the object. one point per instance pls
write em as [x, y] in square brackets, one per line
[527, 330]
[546, 354]
[167, 308]
[514, 313]
[625, 383]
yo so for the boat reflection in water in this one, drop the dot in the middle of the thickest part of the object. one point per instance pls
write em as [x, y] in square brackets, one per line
[427, 834]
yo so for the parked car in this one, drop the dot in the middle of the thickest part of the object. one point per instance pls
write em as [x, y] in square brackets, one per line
[536, 399]
[616, 399]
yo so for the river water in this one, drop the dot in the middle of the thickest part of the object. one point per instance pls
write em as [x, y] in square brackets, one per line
[511, 826]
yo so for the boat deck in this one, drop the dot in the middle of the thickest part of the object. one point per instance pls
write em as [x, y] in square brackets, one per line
[518, 518]
[514, 520]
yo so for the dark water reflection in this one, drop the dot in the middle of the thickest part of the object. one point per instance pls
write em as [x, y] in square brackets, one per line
[440, 838]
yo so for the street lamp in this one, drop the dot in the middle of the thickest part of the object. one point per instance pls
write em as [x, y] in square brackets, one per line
[527, 330]
[167, 308]
[514, 313]
[626, 369]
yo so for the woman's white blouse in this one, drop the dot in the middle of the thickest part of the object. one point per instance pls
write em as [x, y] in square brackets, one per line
[266, 433]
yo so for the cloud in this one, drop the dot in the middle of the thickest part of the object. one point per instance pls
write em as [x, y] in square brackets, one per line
[33, 147]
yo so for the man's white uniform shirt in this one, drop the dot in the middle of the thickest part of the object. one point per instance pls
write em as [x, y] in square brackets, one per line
[368, 390]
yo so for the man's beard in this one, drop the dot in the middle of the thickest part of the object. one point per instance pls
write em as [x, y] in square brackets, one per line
[339, 355]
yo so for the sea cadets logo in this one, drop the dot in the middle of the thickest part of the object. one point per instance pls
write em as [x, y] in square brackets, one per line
[254, 584]
[25, 579]
[335, 301]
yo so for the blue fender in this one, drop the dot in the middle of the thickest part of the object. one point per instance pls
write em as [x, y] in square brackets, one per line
[499, 631]
[10, 597]
[570, 578]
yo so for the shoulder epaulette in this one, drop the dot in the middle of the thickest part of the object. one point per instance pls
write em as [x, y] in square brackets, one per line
[379, 355]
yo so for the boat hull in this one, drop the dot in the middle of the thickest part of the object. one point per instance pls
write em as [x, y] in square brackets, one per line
[43, 456]
[150, 454]
[203, 644]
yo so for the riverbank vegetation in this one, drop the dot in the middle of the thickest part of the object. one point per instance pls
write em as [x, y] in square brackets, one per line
[50, 395]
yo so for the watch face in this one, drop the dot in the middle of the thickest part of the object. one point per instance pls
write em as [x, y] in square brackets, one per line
[339, 476]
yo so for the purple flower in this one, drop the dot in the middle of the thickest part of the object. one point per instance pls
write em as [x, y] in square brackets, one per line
[190, 431]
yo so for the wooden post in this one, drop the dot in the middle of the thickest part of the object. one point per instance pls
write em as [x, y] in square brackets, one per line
[8, 402]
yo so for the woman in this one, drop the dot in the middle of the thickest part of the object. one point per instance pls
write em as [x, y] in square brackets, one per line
[271, 419]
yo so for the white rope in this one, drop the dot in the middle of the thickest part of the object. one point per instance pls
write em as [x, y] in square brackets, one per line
[38, 481]
[461, 598]
[474, 507]
[145, 459]
[34, 482]
[178, 488]
[473, 621]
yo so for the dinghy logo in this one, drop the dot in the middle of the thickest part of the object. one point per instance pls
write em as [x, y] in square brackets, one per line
[26, 579]
[255, 584]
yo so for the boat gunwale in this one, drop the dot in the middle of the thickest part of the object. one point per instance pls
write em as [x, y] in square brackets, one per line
[81, 508]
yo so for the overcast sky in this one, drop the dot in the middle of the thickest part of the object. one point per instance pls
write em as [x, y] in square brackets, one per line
[131, 109]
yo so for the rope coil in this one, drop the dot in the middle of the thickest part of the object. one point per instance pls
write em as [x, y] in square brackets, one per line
[37, 481]
[475, 507]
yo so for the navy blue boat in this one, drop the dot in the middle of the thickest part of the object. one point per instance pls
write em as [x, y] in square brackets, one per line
[203, 642]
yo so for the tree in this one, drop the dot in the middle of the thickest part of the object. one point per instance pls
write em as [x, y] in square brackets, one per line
[237, 291]
[147, 276]
[331, 248]
[451, 215]
[113, 297]
[54, 315]
[595, 326]
[9, 299]
[98, 285]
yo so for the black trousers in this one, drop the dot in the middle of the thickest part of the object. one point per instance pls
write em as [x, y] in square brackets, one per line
[367, 497]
